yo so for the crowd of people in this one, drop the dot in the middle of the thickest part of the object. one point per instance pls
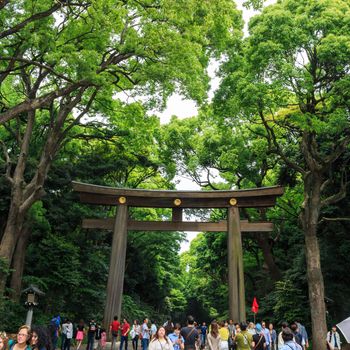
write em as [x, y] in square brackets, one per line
[145, 335]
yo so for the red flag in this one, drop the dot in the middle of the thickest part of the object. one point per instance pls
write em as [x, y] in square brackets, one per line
[255, 306]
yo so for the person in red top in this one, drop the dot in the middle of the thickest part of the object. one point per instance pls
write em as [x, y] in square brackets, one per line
[114, 328]
[125, 333]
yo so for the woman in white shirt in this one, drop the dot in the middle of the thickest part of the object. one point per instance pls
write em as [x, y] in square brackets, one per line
[160, 341]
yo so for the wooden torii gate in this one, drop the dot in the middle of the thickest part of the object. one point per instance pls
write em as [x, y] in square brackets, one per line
[177, 201]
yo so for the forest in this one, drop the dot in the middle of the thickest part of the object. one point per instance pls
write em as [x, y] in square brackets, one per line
[81, 82]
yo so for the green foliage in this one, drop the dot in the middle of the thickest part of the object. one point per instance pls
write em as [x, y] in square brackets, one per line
[287, 302]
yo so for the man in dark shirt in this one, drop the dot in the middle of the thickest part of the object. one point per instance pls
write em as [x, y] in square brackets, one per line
[259, 338]
[91, 335]
[190, 334]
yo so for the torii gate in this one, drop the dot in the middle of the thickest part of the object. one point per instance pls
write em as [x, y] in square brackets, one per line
[177, 200]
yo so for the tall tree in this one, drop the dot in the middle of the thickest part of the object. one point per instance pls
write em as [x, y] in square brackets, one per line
[292, 79]
[63, 61]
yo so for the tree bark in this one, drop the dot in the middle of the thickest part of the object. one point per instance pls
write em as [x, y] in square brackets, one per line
[309, 218]
[18, 264]
[268, 257]
[8, 242]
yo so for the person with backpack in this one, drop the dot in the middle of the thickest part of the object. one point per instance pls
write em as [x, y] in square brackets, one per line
[190, 334]
[259, 338]
[91, 335]
[243, 339]
[333, 339]
[289, 343]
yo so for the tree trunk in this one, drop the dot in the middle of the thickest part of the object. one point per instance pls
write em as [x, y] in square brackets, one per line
[309, 218]
[18, 264]
[268, 257]
[9, 241]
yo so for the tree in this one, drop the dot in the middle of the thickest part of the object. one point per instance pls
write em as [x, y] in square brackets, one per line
[201, 145]
[61, 62]
[292, 79]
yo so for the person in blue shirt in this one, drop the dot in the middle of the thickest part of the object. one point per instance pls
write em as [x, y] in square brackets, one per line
[204, 330]
[303, 332]
[266, 335]
[176, 338]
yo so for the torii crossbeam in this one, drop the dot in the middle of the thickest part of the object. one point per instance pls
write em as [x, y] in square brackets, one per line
[232, 200]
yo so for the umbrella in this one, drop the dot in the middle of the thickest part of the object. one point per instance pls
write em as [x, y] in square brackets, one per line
[344, 327]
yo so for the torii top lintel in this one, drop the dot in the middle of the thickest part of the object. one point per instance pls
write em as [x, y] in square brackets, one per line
[249, 198]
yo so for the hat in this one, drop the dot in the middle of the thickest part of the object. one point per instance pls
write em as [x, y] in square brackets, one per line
[258, 327]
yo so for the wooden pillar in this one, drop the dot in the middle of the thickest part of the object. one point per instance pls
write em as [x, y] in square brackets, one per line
[116, 267]
[177, 214]
[235, 267]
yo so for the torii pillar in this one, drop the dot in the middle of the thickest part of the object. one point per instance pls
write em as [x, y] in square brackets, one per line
[116, 273]
[236, 291]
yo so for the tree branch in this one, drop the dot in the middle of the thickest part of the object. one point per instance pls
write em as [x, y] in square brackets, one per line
[3, 3]
[37, 64]
[39, 102]
[272, 138]
[8, 163]
[30, 19]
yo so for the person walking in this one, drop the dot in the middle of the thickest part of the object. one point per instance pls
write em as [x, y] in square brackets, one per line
[176, 338]
[135, 334]
[288, 339]
[333, 339]
[145, 334]
[244, 339]
[98, 335]
[190, 334]
[91, 335]
[224, 335]
[259, 338]
[232, 329]
[114, 329]
[280, 341]
[54, 327]
[153, 329]
[69, 335]
[125, 329]
[273, 337]
[203, 334]
[80, 334]
[267, 335]
[214, 337]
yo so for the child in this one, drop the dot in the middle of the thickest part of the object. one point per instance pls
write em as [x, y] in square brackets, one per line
[103, 339]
